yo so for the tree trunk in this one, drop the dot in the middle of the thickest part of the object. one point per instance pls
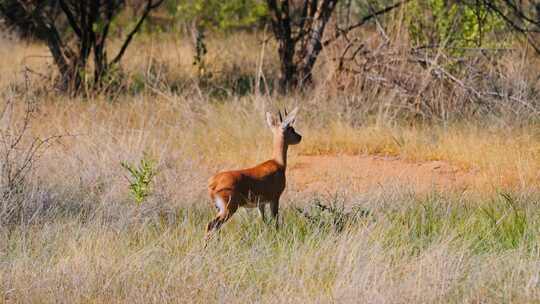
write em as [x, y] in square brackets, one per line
[68, 65]
[288, 72]
[306, 30]
[314, 43]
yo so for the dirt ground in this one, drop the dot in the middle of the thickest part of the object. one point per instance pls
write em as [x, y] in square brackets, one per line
[332, 174]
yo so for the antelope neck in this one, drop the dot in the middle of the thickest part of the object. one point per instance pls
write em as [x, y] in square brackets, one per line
[279, 153]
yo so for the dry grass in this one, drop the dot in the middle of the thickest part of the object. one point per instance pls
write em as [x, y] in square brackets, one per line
[105, 134]
[404, 251]
[81, 238]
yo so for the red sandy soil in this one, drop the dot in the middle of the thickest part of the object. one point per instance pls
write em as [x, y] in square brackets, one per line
[332, 174]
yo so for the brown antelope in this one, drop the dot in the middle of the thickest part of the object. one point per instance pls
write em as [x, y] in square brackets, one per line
[259, 185]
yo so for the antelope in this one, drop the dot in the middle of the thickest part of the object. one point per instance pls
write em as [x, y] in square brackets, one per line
[259, 185]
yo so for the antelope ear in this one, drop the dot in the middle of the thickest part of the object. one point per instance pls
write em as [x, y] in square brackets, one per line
[270, 120]
[291, 117]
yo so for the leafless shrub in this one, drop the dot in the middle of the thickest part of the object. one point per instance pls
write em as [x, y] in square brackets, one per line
[19, 152]
[431, 84]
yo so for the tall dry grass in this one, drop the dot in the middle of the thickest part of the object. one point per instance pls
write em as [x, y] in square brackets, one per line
[404, 250]
[80, 238]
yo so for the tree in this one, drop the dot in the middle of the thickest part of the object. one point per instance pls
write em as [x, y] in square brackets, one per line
[89, 23]
[522, 16]
[14, 16]
[299, 30]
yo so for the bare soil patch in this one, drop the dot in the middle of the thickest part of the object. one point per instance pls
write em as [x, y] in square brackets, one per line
[330, 174]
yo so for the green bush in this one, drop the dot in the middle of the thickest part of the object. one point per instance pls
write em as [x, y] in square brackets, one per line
[218, 15]
[141, 177]
[454, 25]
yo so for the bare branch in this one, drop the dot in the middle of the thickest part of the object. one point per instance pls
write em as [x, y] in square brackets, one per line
[149, 7]
[71, 18]
[363, 21]
[513, 24]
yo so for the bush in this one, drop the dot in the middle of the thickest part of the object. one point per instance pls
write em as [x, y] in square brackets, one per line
[218, 15]
[453, 24]
[140, 178]
[19, 153]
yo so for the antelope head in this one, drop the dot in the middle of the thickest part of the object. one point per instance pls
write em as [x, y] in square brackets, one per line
[282, 127]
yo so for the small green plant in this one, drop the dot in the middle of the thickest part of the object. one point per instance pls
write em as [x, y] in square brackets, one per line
[141, 177]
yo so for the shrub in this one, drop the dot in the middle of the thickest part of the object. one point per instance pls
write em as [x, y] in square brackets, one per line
[218, 15]
[19, 153]
[332, 216]
[141, 177]
[453, 25]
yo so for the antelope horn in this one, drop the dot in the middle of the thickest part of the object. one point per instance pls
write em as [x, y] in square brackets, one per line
[280, 118]
[286, 112]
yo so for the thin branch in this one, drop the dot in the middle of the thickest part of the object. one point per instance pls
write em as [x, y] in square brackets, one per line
[520, 13]
[70, 18]
[363, 21]
[509, 21]
[149, 7]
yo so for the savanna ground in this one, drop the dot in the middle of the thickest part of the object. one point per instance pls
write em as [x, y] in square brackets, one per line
[379, 208]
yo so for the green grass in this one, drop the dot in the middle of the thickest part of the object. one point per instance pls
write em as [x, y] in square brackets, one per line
[450, 249]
